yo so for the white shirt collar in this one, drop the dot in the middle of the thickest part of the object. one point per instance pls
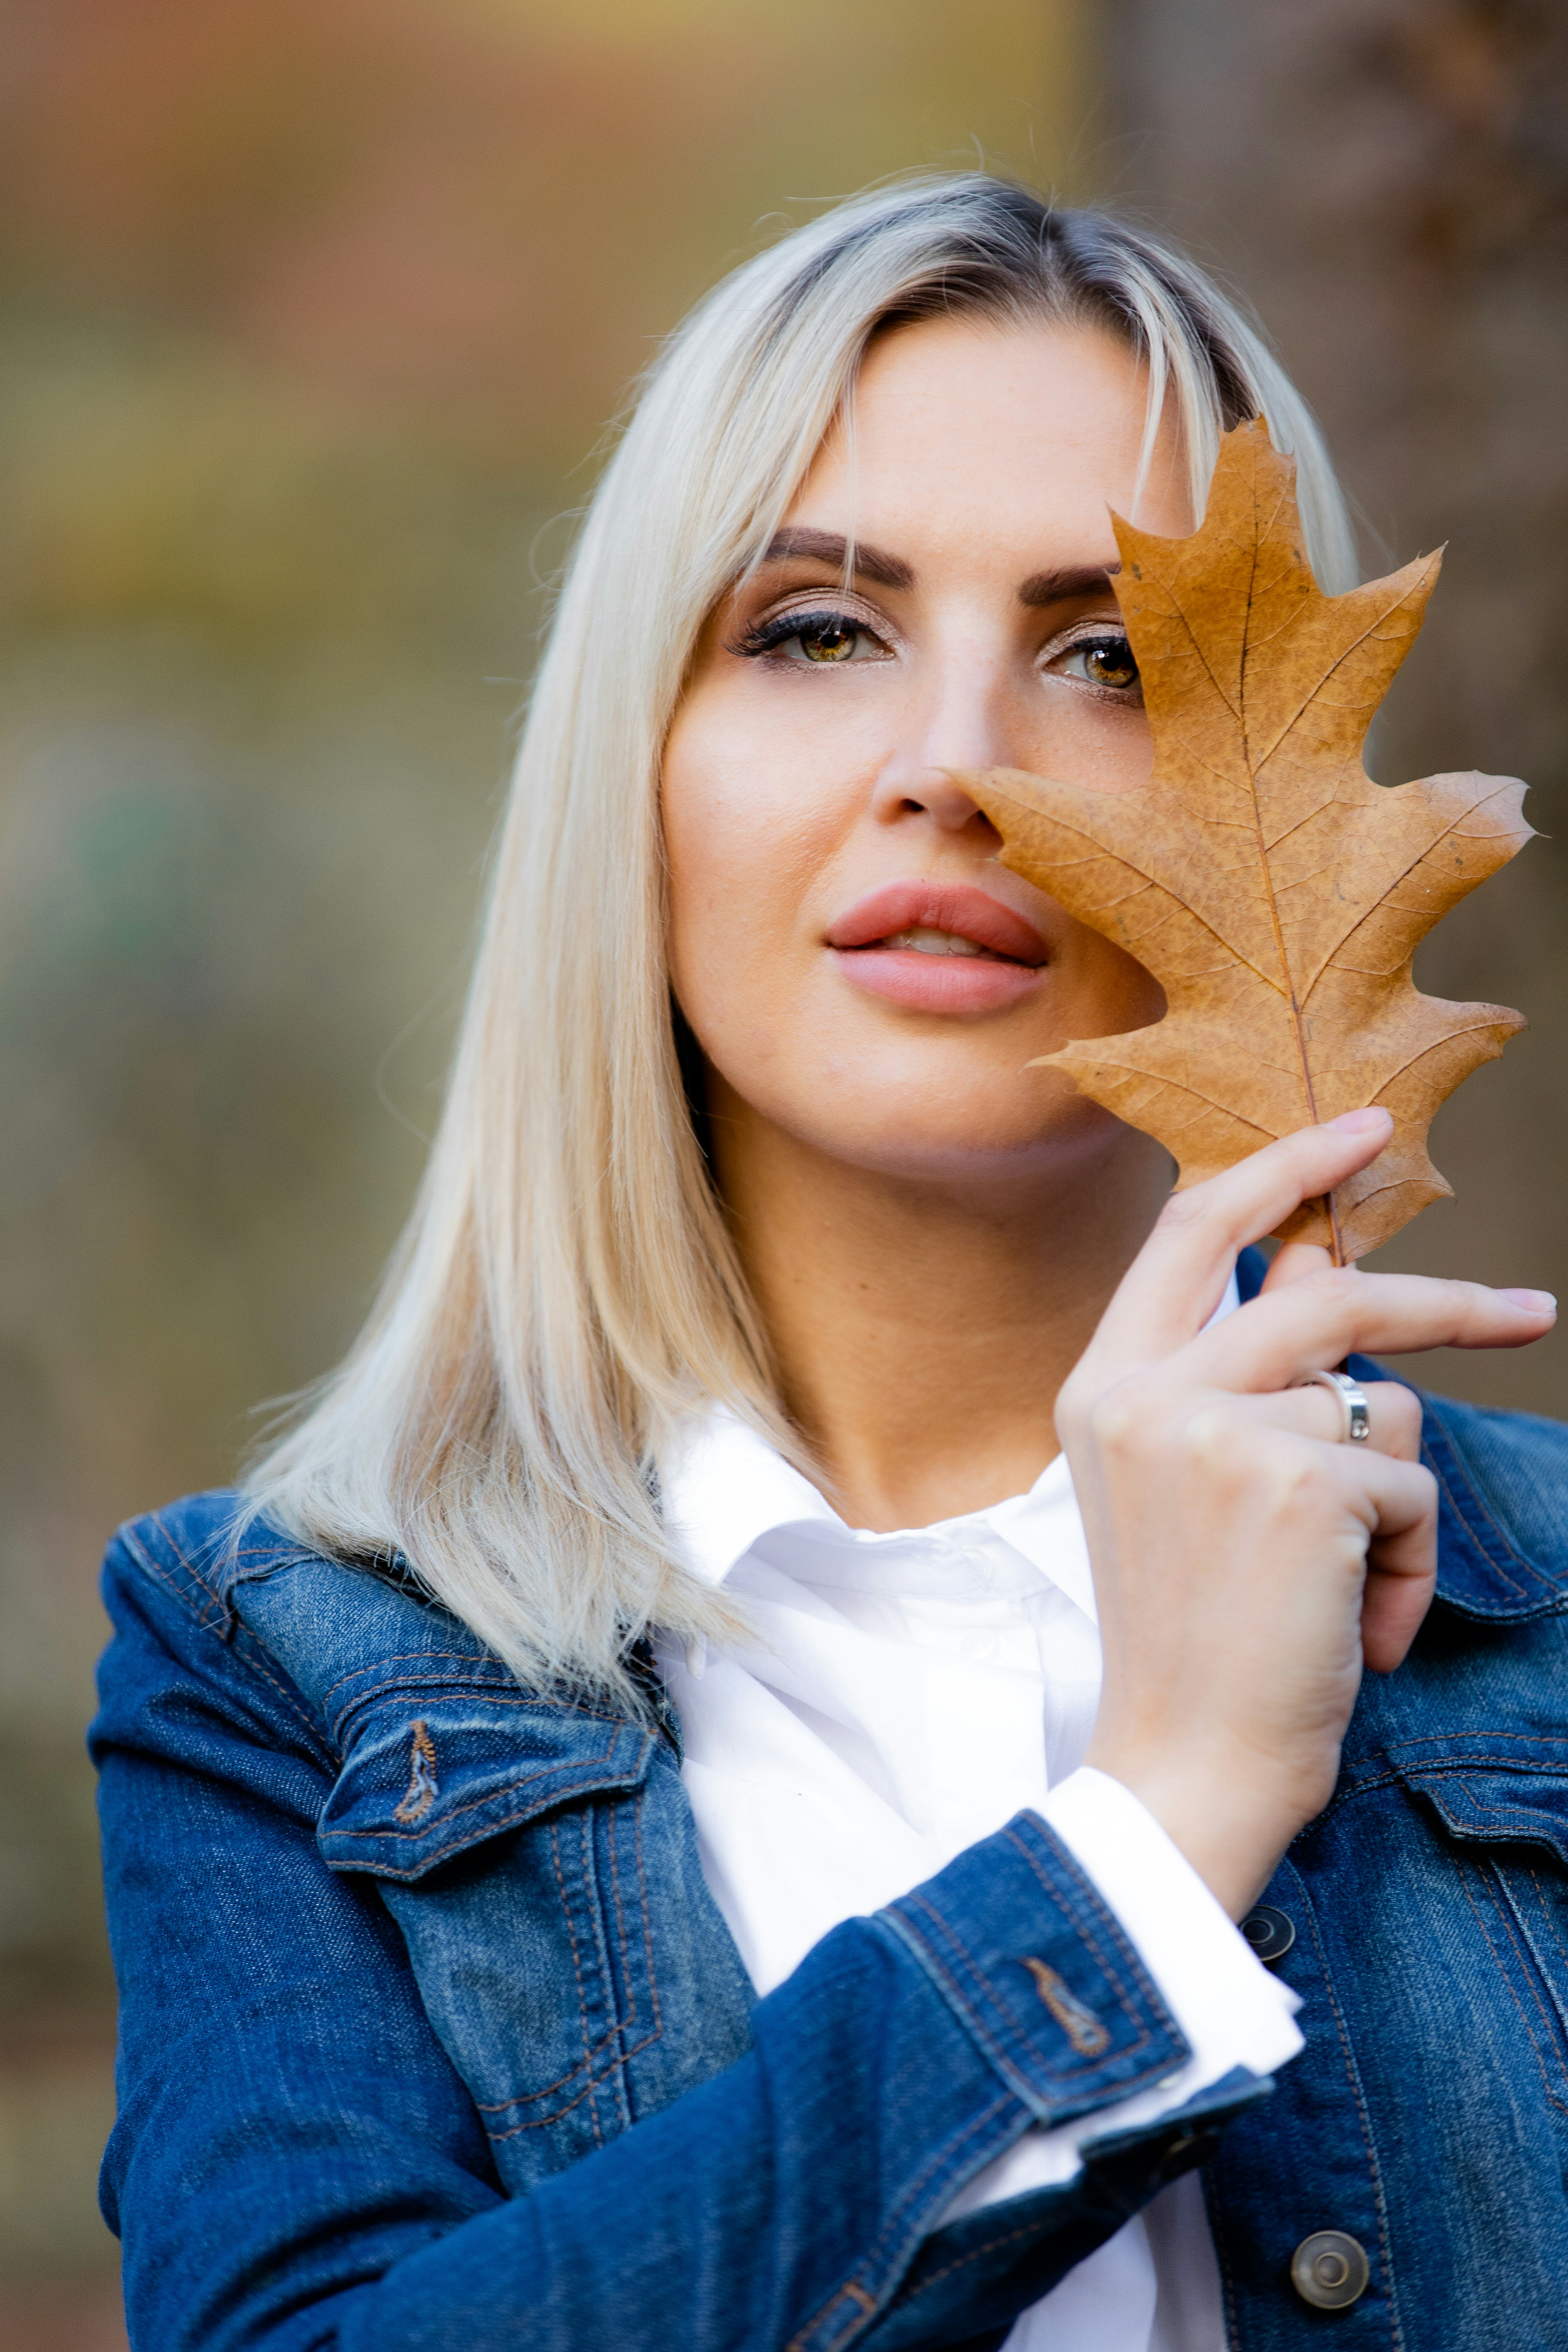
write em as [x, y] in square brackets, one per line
[724, 1487]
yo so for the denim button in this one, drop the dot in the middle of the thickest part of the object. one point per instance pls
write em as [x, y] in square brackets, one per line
[1269, 1933]
[1330, 2270]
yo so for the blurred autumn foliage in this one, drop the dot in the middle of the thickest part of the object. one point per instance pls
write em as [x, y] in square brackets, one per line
[473, 215]
[311, 314]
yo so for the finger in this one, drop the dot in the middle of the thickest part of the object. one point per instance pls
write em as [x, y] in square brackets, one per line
[1313, 1411]
[1392, 1612]
[1402, 1571]
[1294, 1263]
[1275, 1339]
[1178, 1277]
[1396, 1501]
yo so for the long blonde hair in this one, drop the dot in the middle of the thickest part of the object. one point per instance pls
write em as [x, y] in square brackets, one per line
[565, 1288]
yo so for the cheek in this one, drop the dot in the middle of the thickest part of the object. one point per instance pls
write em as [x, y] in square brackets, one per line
[742, 837]
[1064, 732]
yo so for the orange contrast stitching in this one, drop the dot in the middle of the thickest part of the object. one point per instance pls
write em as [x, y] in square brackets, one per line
[423, 1786]
[1077, 2019]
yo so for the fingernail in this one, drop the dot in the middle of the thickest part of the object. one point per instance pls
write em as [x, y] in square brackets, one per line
[1358, 1122]
[1536, 1302]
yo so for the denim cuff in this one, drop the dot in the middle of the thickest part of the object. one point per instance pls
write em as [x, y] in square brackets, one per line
[1039, 1972]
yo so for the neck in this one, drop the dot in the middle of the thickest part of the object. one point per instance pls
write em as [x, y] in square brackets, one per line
[922, 1326]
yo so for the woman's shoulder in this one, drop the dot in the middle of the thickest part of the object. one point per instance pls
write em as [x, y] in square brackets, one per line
[215, 1563]
[364, 1708]
[214, 1585]
[184, 1679]
[196, 1550]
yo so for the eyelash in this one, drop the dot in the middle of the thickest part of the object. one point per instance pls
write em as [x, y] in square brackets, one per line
[766, 637]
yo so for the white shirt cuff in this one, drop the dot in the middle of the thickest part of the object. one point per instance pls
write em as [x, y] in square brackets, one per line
[1231, 2010]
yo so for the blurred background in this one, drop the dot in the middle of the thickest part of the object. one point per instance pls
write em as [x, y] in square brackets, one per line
[312, 313]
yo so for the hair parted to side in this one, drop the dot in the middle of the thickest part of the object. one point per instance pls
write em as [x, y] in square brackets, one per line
[565, 1288]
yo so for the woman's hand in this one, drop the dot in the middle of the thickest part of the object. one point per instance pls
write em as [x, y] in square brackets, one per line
[1246, 1561]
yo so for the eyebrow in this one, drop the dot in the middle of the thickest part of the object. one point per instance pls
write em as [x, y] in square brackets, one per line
[831, 547]
[1060, 587]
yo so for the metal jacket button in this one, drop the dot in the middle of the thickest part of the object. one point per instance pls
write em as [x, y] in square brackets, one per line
[1269, 1933]
[1330, 2270]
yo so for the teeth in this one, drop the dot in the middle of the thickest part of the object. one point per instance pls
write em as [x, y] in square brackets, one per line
[926, 941]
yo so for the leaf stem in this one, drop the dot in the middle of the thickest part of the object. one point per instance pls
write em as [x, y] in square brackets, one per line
[1337, 1241]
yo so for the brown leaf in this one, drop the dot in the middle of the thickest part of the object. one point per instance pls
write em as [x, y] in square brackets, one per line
[1274, 889]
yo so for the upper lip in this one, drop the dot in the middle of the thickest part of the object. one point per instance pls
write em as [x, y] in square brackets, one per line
[958, 906]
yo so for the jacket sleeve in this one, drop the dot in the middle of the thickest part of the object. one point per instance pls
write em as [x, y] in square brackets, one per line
[297, 2166]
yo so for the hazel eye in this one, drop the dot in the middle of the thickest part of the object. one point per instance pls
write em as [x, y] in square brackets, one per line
[1112, 664]
[828, 641]
[1106, 662]
[827, 638]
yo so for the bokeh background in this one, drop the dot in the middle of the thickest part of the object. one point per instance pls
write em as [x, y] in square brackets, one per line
[312, 313]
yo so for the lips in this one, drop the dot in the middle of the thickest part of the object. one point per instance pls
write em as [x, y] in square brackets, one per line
[938, 947]
[957, 907]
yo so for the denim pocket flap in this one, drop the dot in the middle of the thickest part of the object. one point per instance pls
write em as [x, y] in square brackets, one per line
[1495, 1804]
[427, 1779]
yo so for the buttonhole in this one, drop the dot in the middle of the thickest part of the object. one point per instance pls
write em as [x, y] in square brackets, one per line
[423, 1785]
[1078, 2022]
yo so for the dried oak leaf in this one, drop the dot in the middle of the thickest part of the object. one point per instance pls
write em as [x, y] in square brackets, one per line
[1277, 893]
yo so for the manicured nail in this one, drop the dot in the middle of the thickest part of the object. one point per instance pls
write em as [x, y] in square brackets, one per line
[1534, 1302]
[1358, 1122]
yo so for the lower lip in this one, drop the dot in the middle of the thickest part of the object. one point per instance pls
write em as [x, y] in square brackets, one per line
[932, 983]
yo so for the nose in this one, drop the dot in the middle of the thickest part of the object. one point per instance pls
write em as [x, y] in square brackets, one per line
[958, 724]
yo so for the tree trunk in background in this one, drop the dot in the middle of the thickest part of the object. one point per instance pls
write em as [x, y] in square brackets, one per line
[1387, 179]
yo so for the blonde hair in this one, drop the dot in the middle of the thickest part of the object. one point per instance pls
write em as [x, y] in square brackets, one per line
[567, 1288]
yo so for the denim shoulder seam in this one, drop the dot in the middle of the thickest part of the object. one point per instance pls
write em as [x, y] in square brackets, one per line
[255, 1656]
[221, 1623]
[201, 1604]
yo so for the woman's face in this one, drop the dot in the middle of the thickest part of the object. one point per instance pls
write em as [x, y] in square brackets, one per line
[857, 968]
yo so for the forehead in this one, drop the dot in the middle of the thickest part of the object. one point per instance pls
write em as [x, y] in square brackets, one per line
[996, 425]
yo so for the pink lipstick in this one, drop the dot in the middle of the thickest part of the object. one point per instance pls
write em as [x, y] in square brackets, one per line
[938, 947]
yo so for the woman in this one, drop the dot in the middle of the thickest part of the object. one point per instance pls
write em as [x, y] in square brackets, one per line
[670, 1814]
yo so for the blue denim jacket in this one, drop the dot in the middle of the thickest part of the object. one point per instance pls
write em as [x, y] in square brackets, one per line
[405, 1950]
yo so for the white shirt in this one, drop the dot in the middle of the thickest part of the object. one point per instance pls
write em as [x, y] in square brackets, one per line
[904, 1696]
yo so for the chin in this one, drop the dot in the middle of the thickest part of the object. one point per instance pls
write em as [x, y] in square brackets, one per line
[945, 1134]
[958, 1108]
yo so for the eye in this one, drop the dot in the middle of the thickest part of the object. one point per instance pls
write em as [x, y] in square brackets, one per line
[824, 638]
[1104, 662]
[828, 641]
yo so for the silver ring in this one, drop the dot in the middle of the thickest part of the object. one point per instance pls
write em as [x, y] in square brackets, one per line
[1352, 1397]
